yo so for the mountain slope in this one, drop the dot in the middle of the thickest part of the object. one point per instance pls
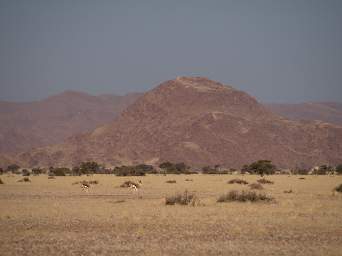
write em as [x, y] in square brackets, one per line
[50, 121]
[200, 122]
[330, 112]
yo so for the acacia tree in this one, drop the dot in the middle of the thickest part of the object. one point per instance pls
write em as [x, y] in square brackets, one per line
[260, 167]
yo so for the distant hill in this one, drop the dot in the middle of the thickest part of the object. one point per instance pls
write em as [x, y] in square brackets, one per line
[330, 112]
[52, 120]
[199, 122]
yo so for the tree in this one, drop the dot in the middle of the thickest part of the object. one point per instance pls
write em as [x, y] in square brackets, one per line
[13, 168]
[261, 167]
[26, 172]
[339, 169]
[89, 167]
[323, 170]
[37, 171]
[62, 171]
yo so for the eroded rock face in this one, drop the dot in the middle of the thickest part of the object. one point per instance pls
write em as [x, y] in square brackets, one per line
[199, 122]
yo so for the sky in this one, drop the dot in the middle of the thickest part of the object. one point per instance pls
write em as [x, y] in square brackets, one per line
[275, 50]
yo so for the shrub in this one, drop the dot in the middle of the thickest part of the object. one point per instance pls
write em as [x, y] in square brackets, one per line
[37, 171]
[89, 167]
[59, 171]
[170, 181]
[13, 168]
[1, 171]
[301, 178]
[213, 170]
[288, 191]
[26, 179]
[339, 169]
[178, 168]
[137, 170]
[237, 181]
[182, 199]
[260, 167]
[51, 177]
[243, 196]
[265, 181]
[339, 188]
[257, 186]
[1, 182]
[128, 183]
[188, 180]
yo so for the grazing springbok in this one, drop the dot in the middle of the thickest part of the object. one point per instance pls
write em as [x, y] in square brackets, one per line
[85, 187]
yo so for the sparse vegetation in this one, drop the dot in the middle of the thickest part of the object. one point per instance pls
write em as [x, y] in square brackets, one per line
[261, 167]
[301, 171]
[257, 186]
[185, 198]
[265, 181]
[170, 181]
[62, 171]
[237, 181]
[243, 196]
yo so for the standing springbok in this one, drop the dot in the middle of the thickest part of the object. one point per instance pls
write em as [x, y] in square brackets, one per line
[134, 187]
[85, 187]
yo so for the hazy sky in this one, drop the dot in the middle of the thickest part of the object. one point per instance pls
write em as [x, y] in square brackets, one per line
[283, 50]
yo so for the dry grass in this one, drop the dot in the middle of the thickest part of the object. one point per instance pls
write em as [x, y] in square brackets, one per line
[171, 181]
[24, 180]
[55, 218]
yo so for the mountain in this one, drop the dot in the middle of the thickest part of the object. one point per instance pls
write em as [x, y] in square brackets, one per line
[199, 122]
[330, 112]
[52, 120]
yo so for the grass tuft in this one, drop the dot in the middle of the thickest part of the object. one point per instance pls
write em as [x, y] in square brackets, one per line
[26, 179]
[237, 181]
[257, 186]
[265, 181]
[243, 196]
[183, 199]
[170, 181]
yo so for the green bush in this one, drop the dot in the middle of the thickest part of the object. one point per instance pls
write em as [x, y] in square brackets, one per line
[243, 196]
[260, 167]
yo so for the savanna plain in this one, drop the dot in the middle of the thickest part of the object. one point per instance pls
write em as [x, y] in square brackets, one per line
[58, 217]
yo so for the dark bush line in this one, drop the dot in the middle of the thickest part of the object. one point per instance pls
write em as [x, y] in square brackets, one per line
[244, 196]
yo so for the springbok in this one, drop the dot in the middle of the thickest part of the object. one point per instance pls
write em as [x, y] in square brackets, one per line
[85, 187]
[134, 187]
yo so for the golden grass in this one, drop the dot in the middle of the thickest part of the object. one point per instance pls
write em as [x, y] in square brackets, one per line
[54, 217]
